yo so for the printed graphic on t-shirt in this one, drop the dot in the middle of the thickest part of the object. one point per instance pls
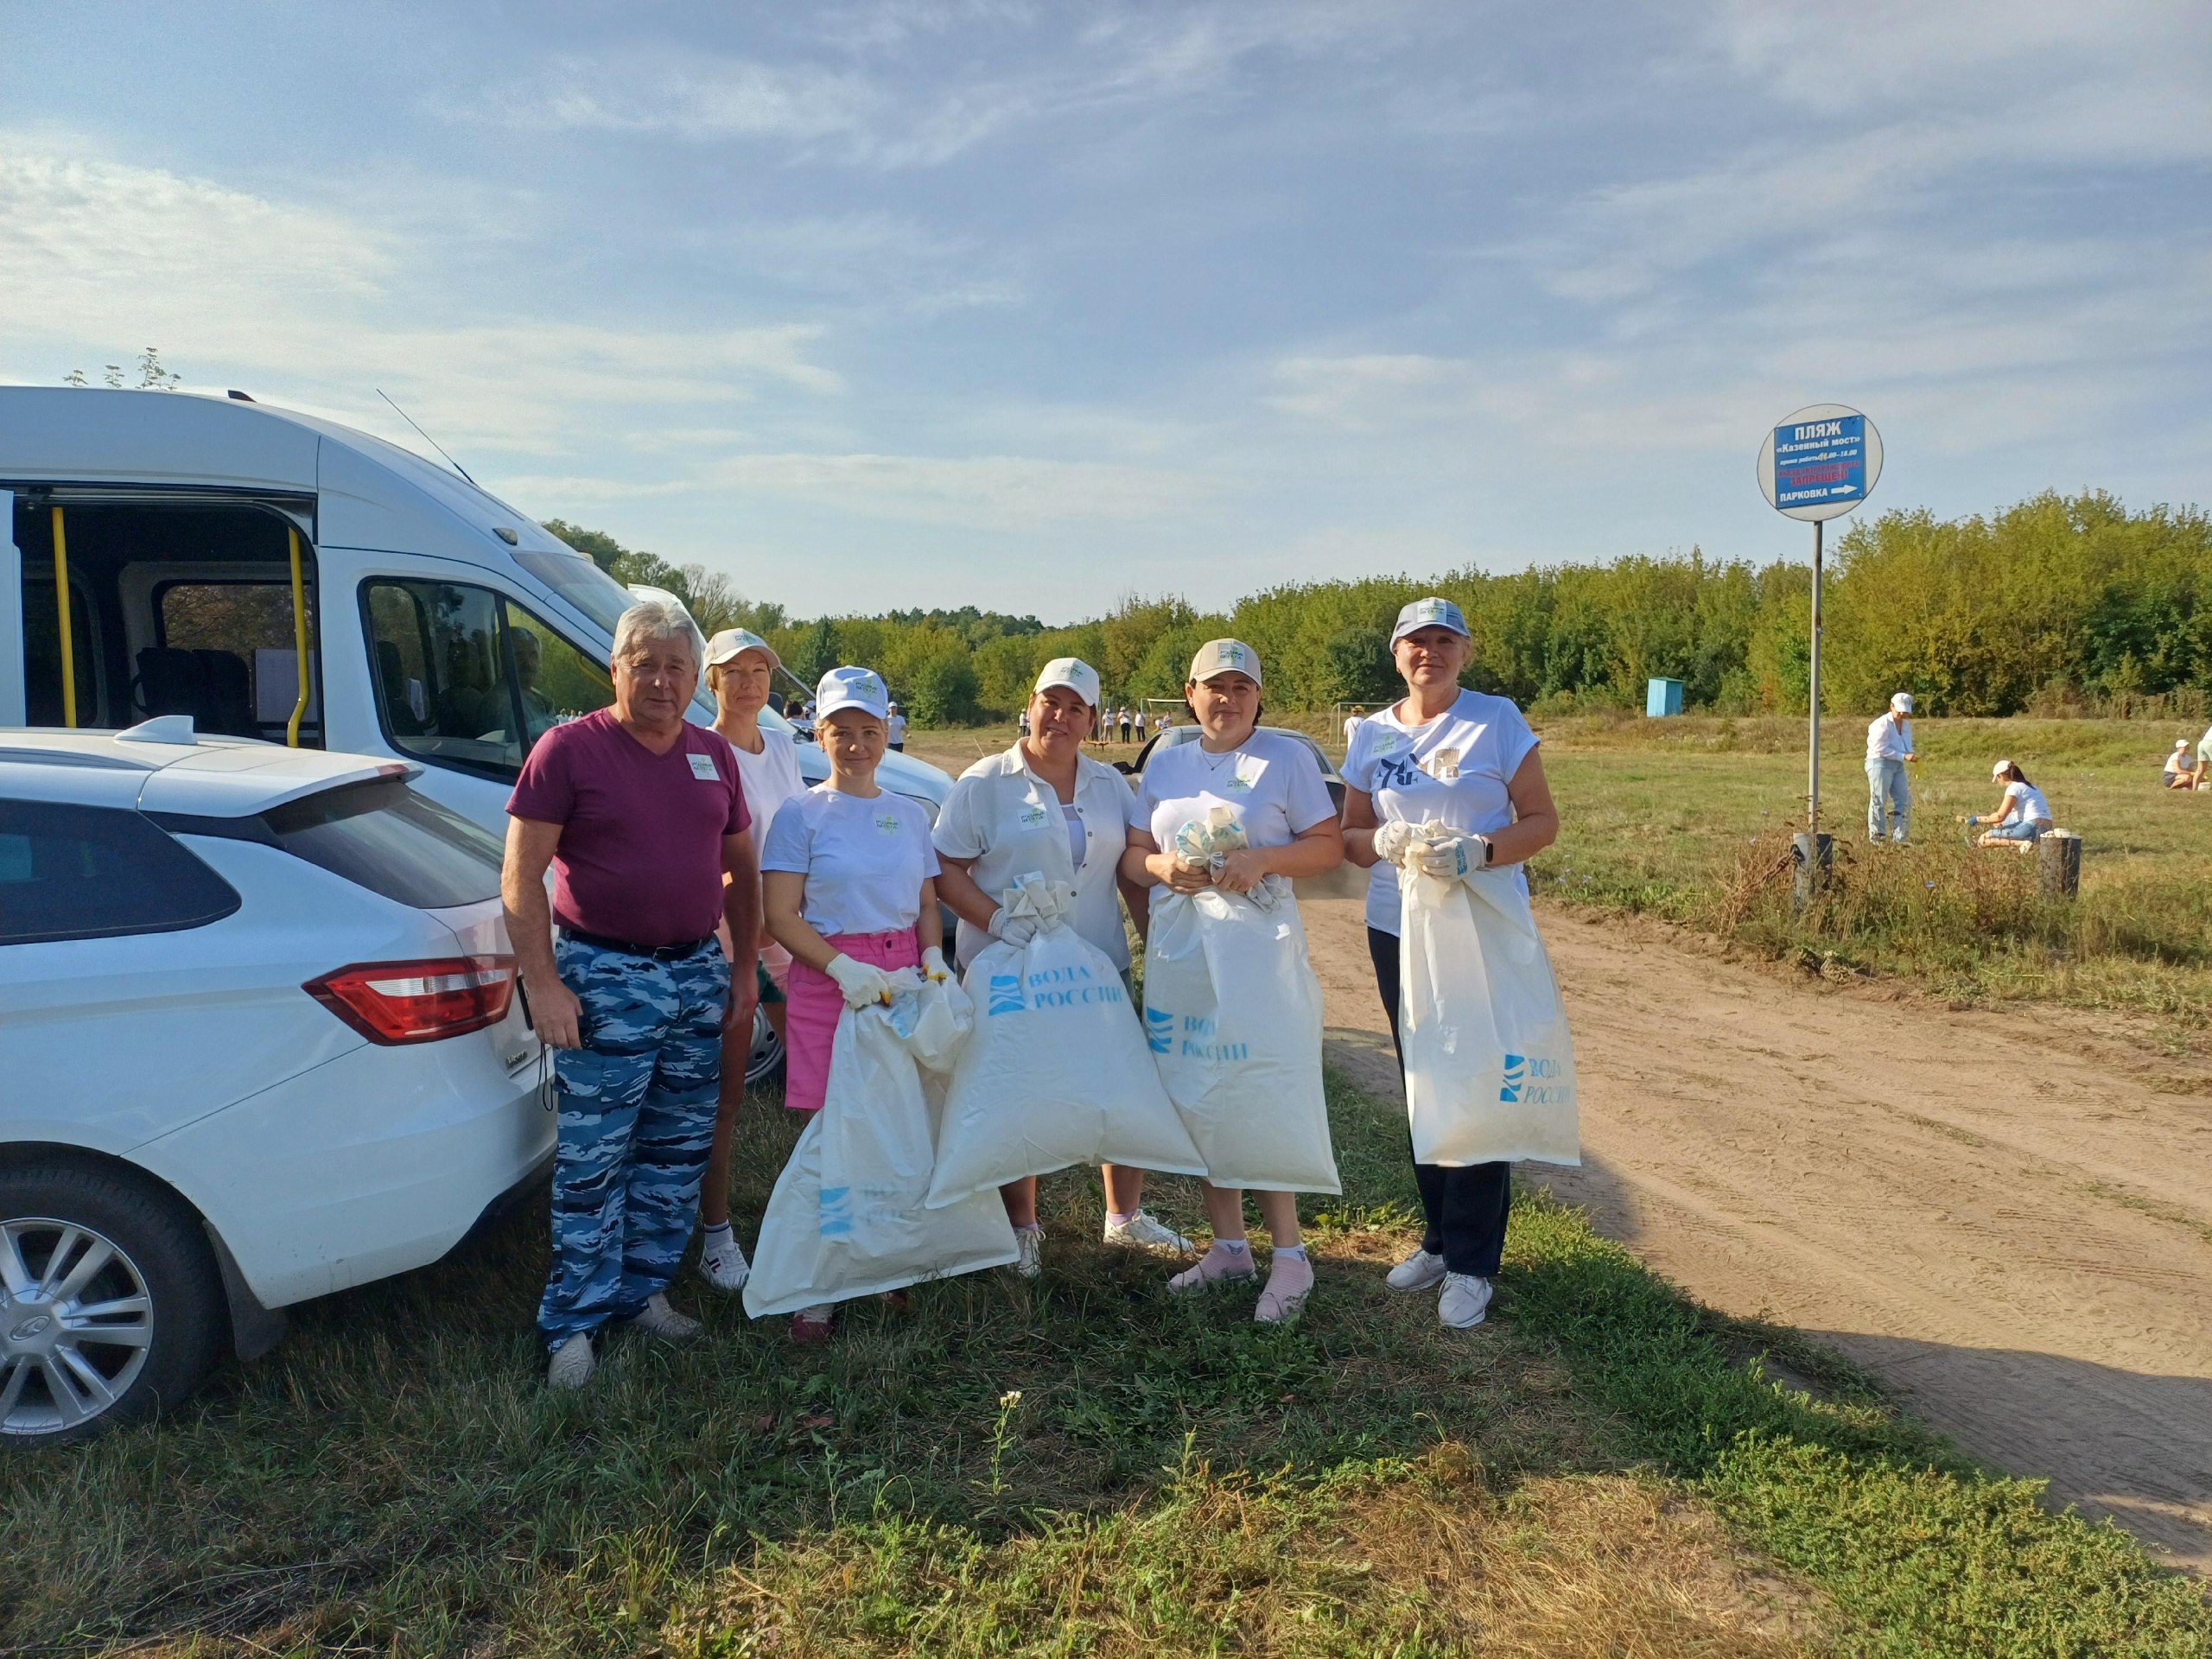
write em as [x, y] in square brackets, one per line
[1443, 765]
[887, 823]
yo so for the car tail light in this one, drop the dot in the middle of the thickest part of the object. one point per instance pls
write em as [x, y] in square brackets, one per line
[418, 1001]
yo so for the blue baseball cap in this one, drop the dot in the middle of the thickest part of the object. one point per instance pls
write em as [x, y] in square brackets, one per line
[1430, 613]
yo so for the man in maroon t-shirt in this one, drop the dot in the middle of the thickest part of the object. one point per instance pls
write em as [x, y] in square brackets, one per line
[640, 814]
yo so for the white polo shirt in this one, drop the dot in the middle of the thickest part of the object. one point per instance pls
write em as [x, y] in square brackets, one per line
[1011, 821]
[1889, 739]
[1455, 768]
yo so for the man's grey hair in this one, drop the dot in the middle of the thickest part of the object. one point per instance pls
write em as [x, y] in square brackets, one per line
[657, 619]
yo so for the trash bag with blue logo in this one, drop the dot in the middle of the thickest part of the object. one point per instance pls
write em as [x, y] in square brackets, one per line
[1056, 1072]
[1489, 1067]
[848, 1216]
[1233, 1016]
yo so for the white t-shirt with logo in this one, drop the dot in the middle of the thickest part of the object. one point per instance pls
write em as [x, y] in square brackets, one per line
[768, 779]
[1011, 821]
[1270, 784]
[864, 858]
[1455, 768]
[2029, 801]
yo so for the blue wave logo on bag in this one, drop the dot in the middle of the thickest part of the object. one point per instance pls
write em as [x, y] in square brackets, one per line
[1516, 1073]
[1006, 993]
[1159, 1030]
[837, 1212]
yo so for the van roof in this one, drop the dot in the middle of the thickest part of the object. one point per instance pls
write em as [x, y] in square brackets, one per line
[369, 494]
[206, 776]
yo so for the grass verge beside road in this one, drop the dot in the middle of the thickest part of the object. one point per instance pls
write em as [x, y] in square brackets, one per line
[1603, 1469]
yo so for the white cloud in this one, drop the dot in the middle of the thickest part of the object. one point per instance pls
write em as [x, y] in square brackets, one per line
[99, 257]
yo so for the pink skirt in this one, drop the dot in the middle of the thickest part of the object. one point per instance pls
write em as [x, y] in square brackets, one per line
[815, 1003]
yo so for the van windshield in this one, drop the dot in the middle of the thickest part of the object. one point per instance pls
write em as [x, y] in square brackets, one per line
[579, 581]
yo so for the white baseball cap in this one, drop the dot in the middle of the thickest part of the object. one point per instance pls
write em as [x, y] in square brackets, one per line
[1224, 656]
[2000, 769]
[851, 688]
[732, 642]
[2181, 743]
[1900, 701]
[1074, 673]
[1430, 613]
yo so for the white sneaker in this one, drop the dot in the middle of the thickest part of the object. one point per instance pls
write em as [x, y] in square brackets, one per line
[1466, 1300]
[661, 1320]
[1144, 1232]
[1417, 1272]
[572, 1364]
[1031, 1241]
[723, 1263]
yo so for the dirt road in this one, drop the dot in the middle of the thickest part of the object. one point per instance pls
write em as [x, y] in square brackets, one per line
[1998, 1212]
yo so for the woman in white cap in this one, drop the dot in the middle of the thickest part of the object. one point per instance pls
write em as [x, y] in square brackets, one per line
[850, 886]
[2022, 815]
[2182, 768]
[740, 666]
[1046, 806]
[1889, 746]
[1469, 760]
[1270, 784]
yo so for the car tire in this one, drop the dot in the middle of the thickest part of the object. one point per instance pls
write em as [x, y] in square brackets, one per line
[132, 1262]
[765, 1057]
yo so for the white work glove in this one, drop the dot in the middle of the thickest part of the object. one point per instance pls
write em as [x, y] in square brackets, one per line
[1450, 856]
[863, 984]
[1394, 841]
[933, 964]
[1016, 930]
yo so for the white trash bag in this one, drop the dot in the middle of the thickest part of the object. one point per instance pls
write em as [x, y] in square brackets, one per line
[1232, 1012]
[1490, 1067]
[848, 1216]
[1056, 1072]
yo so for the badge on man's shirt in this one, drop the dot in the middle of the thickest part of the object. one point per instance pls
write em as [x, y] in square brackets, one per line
[702, 768]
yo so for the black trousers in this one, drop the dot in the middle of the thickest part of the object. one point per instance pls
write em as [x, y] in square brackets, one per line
[1466, 1209]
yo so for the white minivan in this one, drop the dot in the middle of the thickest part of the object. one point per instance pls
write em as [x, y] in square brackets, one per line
[278, 576]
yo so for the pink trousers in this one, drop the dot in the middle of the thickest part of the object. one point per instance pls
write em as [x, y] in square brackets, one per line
[815, 1003]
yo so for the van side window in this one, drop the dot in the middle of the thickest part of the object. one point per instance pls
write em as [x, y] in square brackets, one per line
[467, 680]
[225, 654]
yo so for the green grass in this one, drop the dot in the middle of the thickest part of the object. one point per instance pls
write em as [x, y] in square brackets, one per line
[1603, 1469]
[1688, 819]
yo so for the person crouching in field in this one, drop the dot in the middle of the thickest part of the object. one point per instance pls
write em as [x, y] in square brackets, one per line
[642, 816]
[849, 878]
[1889, 746]
[2183, 770]
[2021, 816]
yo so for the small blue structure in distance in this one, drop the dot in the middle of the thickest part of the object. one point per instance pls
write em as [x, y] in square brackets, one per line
[1663, 697]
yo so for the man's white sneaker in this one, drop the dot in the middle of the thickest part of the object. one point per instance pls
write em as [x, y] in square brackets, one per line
[661, 1320]
[1031, 1243]
[572, 1364]
[1144, 1232]
[1466, 1300]
[1417, 1272]
[723, 1263]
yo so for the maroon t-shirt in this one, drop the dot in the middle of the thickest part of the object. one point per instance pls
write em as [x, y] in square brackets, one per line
[640, 856]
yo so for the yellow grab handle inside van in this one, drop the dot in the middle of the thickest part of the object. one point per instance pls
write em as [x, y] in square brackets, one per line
[68, 646]
[299, 640]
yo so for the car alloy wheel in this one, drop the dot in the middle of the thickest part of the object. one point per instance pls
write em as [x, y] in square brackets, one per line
[767, 1053]
[76, 1322]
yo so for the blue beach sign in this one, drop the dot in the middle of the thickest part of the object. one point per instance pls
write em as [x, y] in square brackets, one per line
[1820, 462]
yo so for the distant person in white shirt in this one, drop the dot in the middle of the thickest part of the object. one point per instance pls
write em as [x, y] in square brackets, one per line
[2022, 815]
[897, 724]
[2182, 770]
[1138, 723]
[1352, 725]
[1889, 746]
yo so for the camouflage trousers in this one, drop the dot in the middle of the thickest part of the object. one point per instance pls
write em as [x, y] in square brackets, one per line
[637, 1117]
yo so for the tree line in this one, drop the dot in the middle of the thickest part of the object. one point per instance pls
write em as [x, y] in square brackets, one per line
[2056, 605]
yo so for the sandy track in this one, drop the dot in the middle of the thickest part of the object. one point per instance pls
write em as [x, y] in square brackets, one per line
[1995, 1211]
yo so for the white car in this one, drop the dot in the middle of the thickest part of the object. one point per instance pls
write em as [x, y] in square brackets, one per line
[260, 1041]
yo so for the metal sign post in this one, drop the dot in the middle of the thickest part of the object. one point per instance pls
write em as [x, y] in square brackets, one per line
[1818, 465]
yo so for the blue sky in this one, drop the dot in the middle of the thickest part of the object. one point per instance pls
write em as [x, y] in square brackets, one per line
[1034, 306]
